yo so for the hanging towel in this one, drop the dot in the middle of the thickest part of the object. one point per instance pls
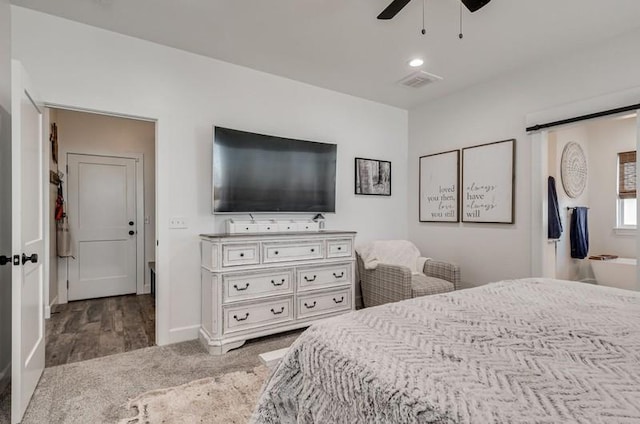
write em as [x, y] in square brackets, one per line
[63, 238]
[555, 224]
[579, 233]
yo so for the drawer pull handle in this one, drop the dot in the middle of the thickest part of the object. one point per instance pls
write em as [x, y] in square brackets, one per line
[276, 252]
[242, 255]
[339, 248]
[338, 301]
[279, 312]
[313, 250]
[277, 284]
[246, 316]
[235, 286]
[338, 276]
[310, 280]
[310, 306]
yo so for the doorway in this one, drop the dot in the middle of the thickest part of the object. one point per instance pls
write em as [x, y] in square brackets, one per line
[101, 299]
[608, 200]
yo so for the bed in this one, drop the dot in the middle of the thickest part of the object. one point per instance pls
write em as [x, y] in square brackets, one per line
[519, 351]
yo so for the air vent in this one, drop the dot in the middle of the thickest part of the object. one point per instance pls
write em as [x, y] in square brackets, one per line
[419, 79]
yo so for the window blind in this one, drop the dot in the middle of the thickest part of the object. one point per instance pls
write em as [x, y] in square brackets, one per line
[627, 175]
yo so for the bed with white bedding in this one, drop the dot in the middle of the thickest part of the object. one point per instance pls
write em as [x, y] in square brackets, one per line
[520, 351]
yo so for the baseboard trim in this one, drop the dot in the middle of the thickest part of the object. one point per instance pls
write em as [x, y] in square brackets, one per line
[47, 309]
[183, 334]
[5, 377]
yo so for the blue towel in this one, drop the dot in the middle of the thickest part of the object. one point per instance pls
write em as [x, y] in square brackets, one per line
[579, 233]
[555, 224]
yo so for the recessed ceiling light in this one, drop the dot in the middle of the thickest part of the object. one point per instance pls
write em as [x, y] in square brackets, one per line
[416, 63]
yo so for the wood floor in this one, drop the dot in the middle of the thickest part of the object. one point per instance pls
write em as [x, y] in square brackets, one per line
[88, 329]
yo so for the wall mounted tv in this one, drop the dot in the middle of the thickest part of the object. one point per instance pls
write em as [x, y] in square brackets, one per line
[262, 173]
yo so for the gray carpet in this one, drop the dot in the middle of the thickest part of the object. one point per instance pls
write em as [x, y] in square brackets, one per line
[96, 391]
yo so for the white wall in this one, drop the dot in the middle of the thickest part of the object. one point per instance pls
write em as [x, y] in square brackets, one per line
[5, 192]
[91, 68]
[90, 133]
[497, 110]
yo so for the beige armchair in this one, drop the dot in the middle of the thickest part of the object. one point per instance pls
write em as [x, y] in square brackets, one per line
[392, 282]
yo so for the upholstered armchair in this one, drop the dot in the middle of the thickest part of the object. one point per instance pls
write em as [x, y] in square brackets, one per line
[393, 270]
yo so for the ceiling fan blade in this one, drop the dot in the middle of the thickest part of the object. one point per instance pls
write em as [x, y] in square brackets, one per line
[393, 9]
[474, 5]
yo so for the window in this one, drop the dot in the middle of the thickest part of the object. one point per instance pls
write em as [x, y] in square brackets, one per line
[627, 202]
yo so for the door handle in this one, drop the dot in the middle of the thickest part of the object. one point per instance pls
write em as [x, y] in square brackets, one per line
[131, 232]
[131, 223]
[33, 258]
[4, 260]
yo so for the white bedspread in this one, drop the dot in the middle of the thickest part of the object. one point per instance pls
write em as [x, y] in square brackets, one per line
[520, 351]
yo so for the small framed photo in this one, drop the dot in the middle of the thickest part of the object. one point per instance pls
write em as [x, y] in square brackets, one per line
[373, 177]
[439, 187]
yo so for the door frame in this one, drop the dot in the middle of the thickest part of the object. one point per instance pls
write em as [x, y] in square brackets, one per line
[141, 287]
[162, 255]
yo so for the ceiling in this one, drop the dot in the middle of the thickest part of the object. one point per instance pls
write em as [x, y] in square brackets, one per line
[340, 45]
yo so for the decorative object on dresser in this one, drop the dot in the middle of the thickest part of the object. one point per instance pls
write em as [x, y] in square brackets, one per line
[488, 176]
[440, 187]
[235, 226]
[393, 270]
[373, 177]
[257, 284]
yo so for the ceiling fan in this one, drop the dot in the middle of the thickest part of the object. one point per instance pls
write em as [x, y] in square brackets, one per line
[397, 5]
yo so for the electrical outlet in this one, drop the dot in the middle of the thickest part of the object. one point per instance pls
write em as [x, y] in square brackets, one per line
[178, 222]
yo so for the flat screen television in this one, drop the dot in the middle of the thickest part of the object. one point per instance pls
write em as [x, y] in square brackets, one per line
[263, 173]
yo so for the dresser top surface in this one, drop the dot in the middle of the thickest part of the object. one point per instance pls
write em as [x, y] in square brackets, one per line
[275, 234]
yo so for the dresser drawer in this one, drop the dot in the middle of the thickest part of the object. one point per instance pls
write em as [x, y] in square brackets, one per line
[240, 254]
[339, 248]
[238, 318]
[268, 228]
[250, 285]
[292, 251]
[315, 277]
[324, 303]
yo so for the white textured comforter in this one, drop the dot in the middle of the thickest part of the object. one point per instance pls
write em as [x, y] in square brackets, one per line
[519, 351]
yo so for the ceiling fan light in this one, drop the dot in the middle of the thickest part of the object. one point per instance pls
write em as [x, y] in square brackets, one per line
[416, 63]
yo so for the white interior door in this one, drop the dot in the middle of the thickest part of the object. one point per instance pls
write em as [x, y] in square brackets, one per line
[102, 219]
[28, 243]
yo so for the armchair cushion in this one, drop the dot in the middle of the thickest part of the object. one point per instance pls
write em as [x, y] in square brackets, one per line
[421, 285]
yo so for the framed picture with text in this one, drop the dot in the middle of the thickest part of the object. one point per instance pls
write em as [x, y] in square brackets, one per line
[439, 187]
[488, 183]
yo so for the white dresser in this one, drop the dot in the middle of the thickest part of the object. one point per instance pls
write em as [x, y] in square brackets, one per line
[254, 285]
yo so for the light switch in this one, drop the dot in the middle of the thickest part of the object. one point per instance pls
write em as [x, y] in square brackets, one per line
[178, 222]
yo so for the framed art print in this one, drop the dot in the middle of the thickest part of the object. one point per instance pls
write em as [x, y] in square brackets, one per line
[488, 176]
[373, 177]
[439, 187]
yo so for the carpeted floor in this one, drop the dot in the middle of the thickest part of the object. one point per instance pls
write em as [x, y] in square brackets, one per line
[97, 391]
